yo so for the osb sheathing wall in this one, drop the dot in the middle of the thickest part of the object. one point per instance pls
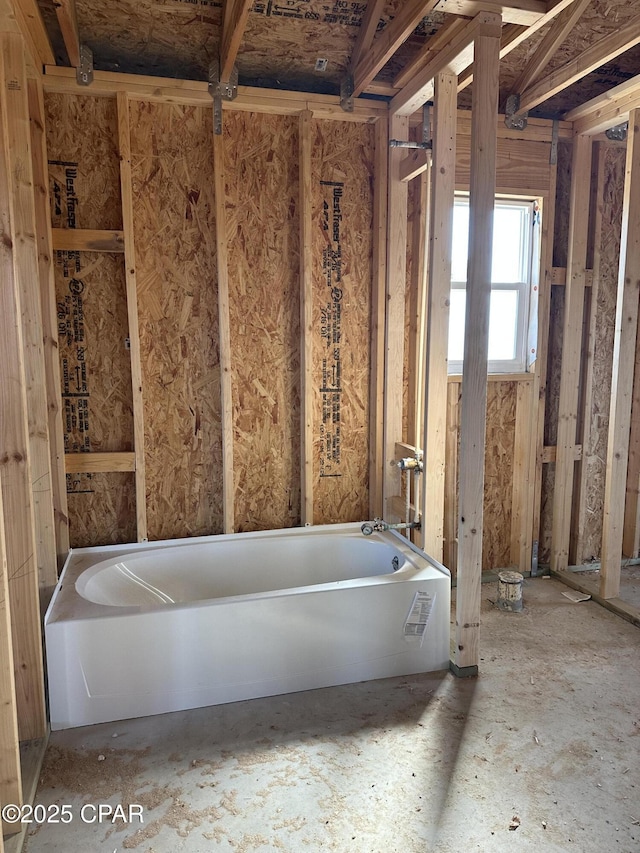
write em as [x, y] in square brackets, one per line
[175, 254]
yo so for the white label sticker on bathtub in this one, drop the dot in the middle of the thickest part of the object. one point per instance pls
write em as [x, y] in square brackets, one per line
[416, 622]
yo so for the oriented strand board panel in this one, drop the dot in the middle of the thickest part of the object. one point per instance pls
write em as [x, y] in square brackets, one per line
[342, 206]
[261, 170]
[92, 311]
[498, 474]
[596, 453]
[102, 508]
[174, 229]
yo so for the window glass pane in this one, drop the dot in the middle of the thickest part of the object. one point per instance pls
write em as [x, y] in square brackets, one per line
[460, 242]
[509, 244]
[503, 325]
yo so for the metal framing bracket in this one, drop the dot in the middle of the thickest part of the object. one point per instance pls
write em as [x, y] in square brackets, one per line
[512, 119]
[219, 90]
[617, 133]
[84, 71]
[346, 93]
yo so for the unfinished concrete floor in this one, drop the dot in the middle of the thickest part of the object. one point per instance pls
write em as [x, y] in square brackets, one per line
[546, 739]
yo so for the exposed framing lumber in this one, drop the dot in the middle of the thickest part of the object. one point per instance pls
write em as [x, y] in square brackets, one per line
[453, 58]
[603, 51]
[631, 532]
[388, 41]
[29, 17]
[15, 471]
[571, 353]
[10, 775]
[522, 12]
[68, 22]
[607, 110]
[523, 448]
[124, 144]
[306, 320]
[366, 31]
[552, 40]
[378, 301]
[439, 291]
[395, 307]
[87, 240]
[579, 521]
[99, 463]
[17, 139]
[450, 552]
[624, 353]
[49, 318]
[447, 31]
[413, 164]
[482, 190]
[224, 332]
[192, 92]
[235, 14]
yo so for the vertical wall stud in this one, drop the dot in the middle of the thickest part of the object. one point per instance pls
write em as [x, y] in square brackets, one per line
[474, 377]
[624, 351]
[124, 140]
[306, 319]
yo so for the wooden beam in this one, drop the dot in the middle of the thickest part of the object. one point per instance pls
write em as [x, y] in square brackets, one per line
[554, 37]
[10, 776]
[49, 317]
[389, 40]
[524, 12]
[224, 332]
[439, 292]
[126, 191]
[367, 31]
[474, 380]
[378, 301]
[15, 471]
[447, 31]
[87, 240]
[395, 310]
[452, 58]
[571, 353]
[414, 164]
[68, 22]
[607, 110]
[235, 15]
[603, 51]
[34, 31]
[624, 352]
[99, 463]
[17, 138]
[306, 320]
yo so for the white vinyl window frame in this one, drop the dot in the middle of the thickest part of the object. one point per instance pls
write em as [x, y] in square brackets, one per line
[524, 289]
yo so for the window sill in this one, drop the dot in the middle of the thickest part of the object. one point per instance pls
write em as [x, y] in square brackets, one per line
[497, 377]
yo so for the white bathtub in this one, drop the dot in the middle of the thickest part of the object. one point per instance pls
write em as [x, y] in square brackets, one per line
[154, 627]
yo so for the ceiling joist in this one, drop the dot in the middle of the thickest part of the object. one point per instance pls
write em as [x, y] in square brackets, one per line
[453, 58]
[523, 12]
[388, 41]
[234, 16]
[68, 21]
[598, 54]
[607, 110]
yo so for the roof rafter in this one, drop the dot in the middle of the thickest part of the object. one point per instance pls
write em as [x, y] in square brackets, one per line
[367, 31]
[29, 18]
[234, 20]
[607, 110]
[68, 20]
[523, 12]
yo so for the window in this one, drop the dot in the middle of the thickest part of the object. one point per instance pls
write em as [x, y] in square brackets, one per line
[515, 245]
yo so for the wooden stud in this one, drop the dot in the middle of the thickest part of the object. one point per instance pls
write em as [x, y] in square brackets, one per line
[439, 291]
[579, 521]
[453, 58]
[68, 22]
[15, 472]
[631, 531]
[474, 379]
[417, 310]
[603, 51]
[394, 328]
[389, 40]
[17, 138]
[306, 321]
[624, 351]
[450, 554]
[571, 351]
[124, 142]
[376, 385]
[99, 463]
[10, 776]
[235, 15]
[225, 336]
[87, 240]
[49, 318]
[552, 40]
[523, 449]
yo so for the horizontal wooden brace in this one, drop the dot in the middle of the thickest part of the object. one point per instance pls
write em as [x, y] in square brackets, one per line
[403, 450]
[525, 13]
[99, 463]
[87, 240]
[397, 508]
[559, 276]
[496, 377]
[549, 453]
[414, 164]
